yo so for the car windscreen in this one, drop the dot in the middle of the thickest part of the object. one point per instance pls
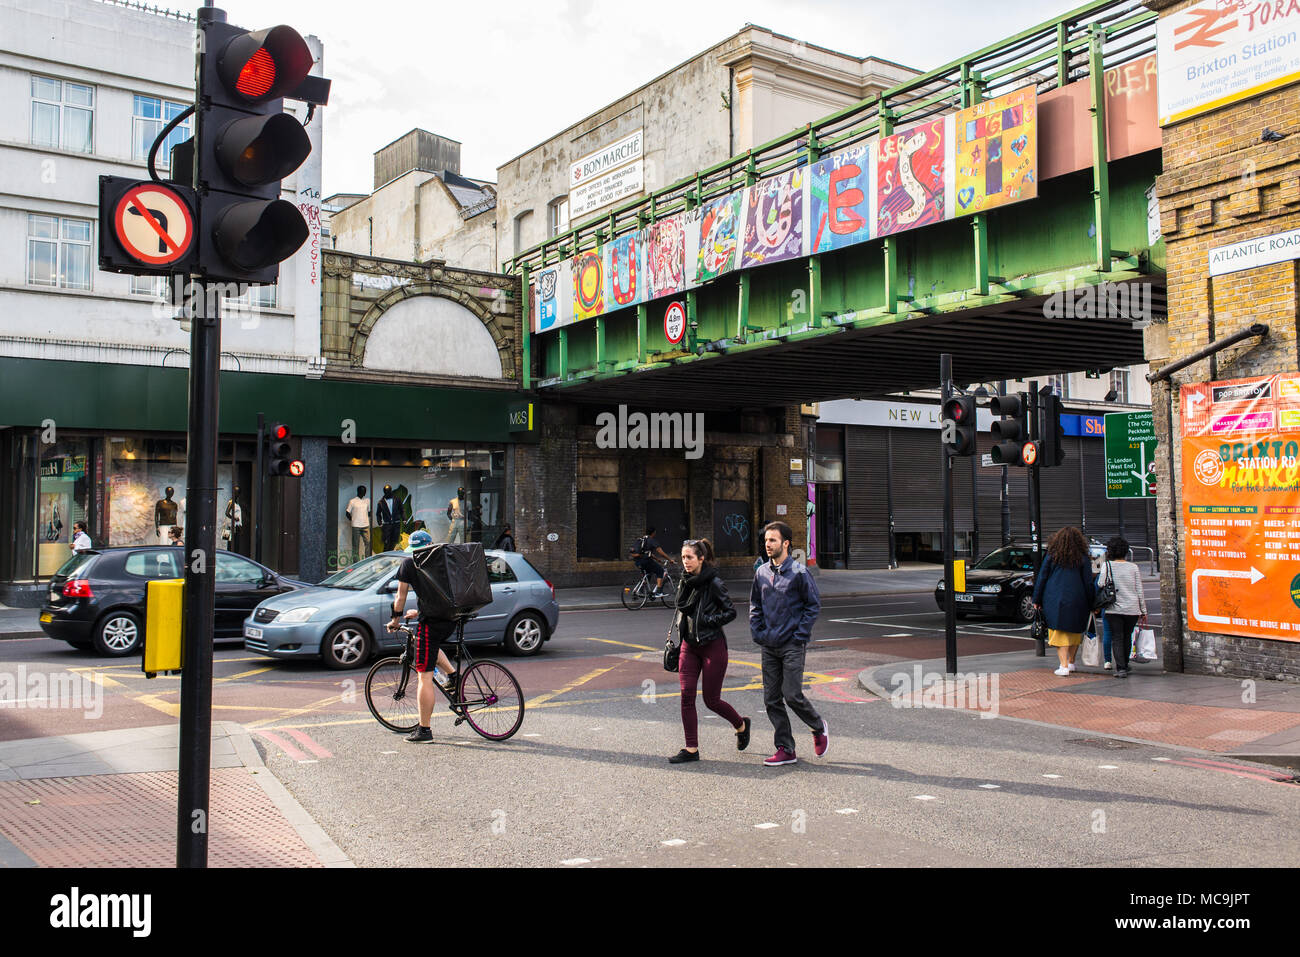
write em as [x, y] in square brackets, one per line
[365, 573]
[77, 563]
[1008, 559]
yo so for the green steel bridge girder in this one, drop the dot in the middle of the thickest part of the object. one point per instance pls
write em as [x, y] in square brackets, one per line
[990, 265]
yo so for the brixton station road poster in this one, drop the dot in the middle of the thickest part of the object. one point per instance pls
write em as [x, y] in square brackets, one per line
[1241, 506]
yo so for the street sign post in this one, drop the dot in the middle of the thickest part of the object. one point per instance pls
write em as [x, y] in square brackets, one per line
[1130, 455]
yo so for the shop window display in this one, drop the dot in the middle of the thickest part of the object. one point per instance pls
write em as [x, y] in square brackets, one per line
[63, 497]
[146, 489]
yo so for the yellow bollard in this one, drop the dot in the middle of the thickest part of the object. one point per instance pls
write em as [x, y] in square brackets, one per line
[959, 575]
[163, 626]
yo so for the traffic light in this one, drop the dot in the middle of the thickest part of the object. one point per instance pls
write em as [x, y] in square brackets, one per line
[959, 425]
[245, 145]
[1011, 429]
[279, 458]
[1051, 431]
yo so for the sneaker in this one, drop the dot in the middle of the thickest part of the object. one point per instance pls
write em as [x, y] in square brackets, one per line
[782, 756]
[682, 756]
[1070, 666]
[451, 685]
[1121, 673]
[420, 734]
[1108, 666]
[1063, 672]
[742, 736]
[821, 740]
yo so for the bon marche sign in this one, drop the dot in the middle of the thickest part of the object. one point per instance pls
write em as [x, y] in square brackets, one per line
[1130, 455]
[607, 175]
[1241, 506]
[1215, 53]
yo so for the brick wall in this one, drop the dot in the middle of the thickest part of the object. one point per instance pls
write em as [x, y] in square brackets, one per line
[1222, 185]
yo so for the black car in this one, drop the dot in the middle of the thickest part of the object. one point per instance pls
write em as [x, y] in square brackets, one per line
[999, 584]
[98, 597]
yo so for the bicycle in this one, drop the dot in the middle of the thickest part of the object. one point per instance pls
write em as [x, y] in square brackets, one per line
[489, 696]
[637, 591]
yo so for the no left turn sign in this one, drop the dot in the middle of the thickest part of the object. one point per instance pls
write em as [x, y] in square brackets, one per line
[154, 225]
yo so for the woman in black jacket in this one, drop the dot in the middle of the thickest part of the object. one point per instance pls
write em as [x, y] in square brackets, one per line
[1064, 590]
[703, 607]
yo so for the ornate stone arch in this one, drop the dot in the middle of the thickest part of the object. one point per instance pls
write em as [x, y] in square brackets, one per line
[500, 334]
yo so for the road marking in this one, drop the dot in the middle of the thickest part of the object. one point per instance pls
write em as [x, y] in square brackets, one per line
[673, 842]
[1108, 767]
[854, 638]
[302, 738]
[246, 674]
[1235, 774]
[576, 860]
[295, 712]
[172, 708]
[1162, 759]
[991, 787]
[284, 745]
[847, 810]
[1051, 775]
[576, 682]
[901, 634]
[924, 797]
[625, 644]
[387, 752]
[764, 826]
[532, 735]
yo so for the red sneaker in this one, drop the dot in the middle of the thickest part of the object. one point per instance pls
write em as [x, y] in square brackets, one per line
[821, 740]
[782, 756]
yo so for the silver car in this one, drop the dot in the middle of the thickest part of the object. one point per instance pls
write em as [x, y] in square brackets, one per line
[342, 619]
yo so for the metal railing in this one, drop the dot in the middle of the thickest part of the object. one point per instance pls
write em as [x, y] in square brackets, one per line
[151, 8]
[1049, 55]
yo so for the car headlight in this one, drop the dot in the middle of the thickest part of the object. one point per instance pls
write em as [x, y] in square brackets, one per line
[296, 615]
[991, 589]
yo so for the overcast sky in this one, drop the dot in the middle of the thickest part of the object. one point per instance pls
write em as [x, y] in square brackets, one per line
[502, 76]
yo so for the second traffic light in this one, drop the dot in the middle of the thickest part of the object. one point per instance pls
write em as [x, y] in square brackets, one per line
[1011, 429]
[246, 144]
[279, 457]
[959, 425]
[1051, 431]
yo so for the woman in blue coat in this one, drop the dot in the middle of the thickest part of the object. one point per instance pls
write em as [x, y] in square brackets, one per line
[1065, 591]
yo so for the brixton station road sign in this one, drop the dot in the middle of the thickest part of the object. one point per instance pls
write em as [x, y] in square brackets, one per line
[148, 227]
[1130, 455]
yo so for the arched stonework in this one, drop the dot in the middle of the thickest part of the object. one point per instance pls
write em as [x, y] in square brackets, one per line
[412, 290]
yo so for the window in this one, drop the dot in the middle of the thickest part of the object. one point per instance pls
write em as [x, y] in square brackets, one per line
[154, 563]
[499, 570]
[155, 287]
[62, 114]
[58, 252]
[150, 116]
[256, 297]
[232, 568]
[1060, 385]
[521, 226]
[557, 217]
[1119, 384]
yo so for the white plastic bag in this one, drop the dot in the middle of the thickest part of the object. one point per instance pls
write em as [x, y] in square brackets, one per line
[1145, 644]
[1090, 653]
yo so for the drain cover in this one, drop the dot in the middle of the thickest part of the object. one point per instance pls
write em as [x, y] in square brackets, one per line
[1105, 744]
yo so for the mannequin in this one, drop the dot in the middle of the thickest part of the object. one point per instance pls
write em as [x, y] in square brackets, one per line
[358, 513]
[234, 523]
[164, 514]
[390, 514]
[456, 518]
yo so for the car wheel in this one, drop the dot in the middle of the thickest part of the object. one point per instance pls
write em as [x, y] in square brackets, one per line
[118, 634]
[346, 645]
[525, 634]
[1025, 608]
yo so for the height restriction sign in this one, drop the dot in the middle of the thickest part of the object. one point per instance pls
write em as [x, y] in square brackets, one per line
[146, 228]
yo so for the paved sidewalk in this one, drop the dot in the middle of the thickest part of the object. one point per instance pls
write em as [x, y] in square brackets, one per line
[1250, 720]
[108, 799]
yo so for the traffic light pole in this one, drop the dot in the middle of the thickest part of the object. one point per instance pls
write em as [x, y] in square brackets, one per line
[950, 599]
[261, 486]
[1035, 503]
[200, 582]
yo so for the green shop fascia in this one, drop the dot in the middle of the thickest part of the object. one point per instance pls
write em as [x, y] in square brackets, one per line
[105, 444]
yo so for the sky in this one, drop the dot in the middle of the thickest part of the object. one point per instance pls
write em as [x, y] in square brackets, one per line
[502, 76]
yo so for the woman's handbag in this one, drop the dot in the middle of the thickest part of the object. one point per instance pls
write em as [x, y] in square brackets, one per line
[1038, 630]
[672, 649]
[1106, 595]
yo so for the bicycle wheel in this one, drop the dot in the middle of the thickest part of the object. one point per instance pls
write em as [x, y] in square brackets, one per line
[491, 700]
[635, 593]
[670, 592]
[394, 706]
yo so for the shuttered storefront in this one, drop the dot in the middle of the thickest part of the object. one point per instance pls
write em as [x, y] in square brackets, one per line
[866, 510]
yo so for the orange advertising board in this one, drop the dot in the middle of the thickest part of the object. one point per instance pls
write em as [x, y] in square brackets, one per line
[1241, 506]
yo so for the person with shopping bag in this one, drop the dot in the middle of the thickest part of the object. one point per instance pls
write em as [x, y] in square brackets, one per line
[1064, 592]
[1130, 607]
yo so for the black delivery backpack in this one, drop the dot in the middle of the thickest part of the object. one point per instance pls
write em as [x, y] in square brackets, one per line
[451, 580]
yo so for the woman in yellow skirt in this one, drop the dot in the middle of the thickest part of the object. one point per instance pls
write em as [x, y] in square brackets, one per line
[1064, 591]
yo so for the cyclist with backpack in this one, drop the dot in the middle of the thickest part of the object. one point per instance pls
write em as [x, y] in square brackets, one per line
[643, 556]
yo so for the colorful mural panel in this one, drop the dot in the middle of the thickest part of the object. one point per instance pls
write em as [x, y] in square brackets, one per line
[840, 199]
[624, 267]
[665, 258]
[719, 233]
[774, 220]
[552, 292]
[911, 178]
[997, 152]
[588, 284]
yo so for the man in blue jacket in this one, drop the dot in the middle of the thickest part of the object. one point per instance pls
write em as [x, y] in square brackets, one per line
[783, 604]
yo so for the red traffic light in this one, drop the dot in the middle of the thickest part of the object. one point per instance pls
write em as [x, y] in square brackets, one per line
[279, 432]
[296, 467]
[257, 77]
[266, 64]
